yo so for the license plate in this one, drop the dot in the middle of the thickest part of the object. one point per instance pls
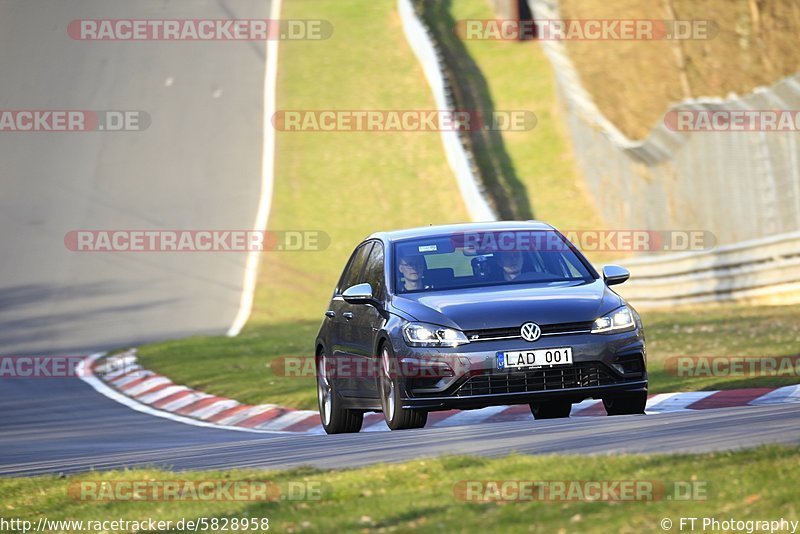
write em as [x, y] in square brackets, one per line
[523, 359]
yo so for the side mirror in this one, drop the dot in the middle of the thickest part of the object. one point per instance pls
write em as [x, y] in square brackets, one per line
[359, 294]
[614, 274]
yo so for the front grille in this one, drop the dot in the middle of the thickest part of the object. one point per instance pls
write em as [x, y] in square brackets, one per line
[512, 332]
[563, 328]
[566, 377]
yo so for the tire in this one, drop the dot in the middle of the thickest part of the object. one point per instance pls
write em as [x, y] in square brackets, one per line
[396, 417]
[551, 409]
[630, 404]
[336, 419]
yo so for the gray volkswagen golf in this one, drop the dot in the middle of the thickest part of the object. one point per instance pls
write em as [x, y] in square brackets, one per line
[475, 315]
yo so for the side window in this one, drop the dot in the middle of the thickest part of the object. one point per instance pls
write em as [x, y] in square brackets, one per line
[352, 274]
[373, 274]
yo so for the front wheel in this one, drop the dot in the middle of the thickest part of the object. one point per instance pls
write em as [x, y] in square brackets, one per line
[336, 419]
[630, 404]
[397, 417]
[551, 409]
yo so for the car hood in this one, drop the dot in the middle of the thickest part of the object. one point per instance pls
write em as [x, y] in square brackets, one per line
[511, 305]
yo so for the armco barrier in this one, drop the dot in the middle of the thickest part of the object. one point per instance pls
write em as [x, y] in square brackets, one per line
[757, 269]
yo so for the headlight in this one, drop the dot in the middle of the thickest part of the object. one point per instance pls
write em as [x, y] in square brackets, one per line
[429, 335]
[619, 319]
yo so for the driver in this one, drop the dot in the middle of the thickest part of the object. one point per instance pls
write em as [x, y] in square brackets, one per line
[412, 267]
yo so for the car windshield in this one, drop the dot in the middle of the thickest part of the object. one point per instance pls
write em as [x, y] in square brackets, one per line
[479, 259]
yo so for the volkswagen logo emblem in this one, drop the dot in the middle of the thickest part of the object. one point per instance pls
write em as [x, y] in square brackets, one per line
[530, 331]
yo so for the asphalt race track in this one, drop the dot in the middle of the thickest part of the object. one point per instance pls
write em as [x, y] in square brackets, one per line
[198, 95]
[63, 425]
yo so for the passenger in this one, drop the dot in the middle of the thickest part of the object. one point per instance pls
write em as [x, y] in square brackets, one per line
[412, 267]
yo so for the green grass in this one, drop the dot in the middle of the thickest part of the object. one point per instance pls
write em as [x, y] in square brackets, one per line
[729, 330]
[242, 368]
[419, 495]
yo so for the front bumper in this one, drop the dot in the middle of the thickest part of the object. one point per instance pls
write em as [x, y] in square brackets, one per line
[497, 399]
[604, 365]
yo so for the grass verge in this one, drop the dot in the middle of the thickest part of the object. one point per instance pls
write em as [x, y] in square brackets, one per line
[421, 495]
[729, 331]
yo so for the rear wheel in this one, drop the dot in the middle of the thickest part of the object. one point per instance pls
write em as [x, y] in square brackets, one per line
[397, 417]
[551, 409]
[336, 419]
[631, 404]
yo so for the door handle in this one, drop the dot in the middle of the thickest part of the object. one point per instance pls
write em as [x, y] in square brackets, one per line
[330, 313]
[347, 315]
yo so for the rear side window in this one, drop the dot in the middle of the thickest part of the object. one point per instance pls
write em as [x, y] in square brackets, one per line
[352, 274]
[373, 274]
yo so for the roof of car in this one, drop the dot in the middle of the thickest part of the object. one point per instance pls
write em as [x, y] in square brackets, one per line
[430, 231]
